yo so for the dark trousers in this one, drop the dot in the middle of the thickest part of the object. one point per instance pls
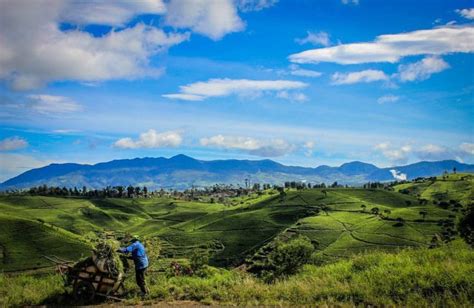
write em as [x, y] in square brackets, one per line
[140, 276]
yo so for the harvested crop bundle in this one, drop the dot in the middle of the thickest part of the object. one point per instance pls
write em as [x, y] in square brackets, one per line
[107, 259]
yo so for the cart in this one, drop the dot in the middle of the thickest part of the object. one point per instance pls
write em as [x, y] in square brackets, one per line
[88, 281]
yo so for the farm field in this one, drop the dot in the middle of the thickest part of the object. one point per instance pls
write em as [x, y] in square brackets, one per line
[359, 235]
[342, 221]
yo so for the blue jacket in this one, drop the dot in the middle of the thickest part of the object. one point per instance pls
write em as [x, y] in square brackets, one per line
[138, 254]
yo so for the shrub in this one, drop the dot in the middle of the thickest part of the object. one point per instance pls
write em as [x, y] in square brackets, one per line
[198, 260]
[287, 258]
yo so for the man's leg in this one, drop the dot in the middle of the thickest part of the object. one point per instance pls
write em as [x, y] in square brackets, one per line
[140, 276]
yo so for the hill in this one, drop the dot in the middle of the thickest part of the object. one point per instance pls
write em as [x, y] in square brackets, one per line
[342, 221]
[180, 172]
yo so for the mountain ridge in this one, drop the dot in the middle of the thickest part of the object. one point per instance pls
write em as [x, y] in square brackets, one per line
[182, 171]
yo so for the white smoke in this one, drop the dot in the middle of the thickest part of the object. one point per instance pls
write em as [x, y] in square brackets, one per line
[397, 175]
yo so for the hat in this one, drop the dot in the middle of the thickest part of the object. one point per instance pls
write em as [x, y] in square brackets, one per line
[134, 238]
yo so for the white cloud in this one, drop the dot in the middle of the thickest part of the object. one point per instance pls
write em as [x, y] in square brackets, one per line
[397, 175]
[255, 5]
[394, 154]
[296, 96]
[113, 13]
[433, 152]
[315, 38]
[467, 148]
[388, 99]
[253, 146]
[392, 47]
[355, 2]
[151, 139]
[34, 51]
[213, 18]
[295, 70]
[48, 104]
[422, 69]
[13, 143]
[309, 146]
[466, 13]
[356, 77]
[224, 87]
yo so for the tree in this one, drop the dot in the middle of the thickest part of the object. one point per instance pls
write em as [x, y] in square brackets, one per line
[120, 190]
[130, 191]
[288, 257]
[466, 225]
[145, 191]
[387, 212]
[454, 170]
[363, 207]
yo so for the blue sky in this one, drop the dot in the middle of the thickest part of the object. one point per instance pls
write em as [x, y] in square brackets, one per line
[300, 82]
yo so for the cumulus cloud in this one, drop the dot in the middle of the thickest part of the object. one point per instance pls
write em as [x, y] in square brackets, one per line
[48, 104]
[295, 70]
[13, 143]
[467, 148]
[429, 152]
[314, 38]
[212, 18]
[357, 77]
[388, 99]
[253, 146]
[397, 155]
[224, 87]
[433, 152]
[393, 47]
[255, 5]
[466, 13]
[151, 139]
[422, 69]
[35, 51]
[397, 175]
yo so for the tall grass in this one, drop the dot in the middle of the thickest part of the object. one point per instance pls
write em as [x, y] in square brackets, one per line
[413, 277]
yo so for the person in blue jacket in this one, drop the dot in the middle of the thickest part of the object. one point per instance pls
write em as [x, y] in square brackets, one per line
[140, 259]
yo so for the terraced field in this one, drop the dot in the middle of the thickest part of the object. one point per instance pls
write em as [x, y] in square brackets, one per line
[341, 220]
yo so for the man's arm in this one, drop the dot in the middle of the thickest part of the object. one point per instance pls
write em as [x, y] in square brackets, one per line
[128, 249]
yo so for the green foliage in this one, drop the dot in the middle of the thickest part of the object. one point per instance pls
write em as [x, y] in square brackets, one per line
[466, 225]
[198, 260]
[286, 258]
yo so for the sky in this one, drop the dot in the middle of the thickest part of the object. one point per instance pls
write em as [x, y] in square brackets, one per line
[301, 82]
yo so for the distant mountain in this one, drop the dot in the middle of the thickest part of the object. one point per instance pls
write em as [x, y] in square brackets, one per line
[182, 171]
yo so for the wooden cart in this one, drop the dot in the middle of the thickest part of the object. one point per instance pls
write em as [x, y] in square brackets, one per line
[88, 282]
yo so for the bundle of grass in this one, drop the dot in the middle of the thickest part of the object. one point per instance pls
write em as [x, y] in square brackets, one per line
[107, 259]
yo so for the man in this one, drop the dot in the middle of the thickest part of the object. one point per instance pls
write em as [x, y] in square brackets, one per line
[141, 262]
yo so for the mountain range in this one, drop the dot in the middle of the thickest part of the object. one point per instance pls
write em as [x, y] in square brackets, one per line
[182, 171]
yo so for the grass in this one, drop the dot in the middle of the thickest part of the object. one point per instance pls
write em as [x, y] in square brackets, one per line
[442, 277]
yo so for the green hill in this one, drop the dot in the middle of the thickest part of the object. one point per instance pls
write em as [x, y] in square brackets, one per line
[341, 220]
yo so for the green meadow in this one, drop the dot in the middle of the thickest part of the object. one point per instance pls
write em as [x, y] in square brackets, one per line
[372, 246]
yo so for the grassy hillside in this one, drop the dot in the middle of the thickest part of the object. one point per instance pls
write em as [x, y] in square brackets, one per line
[440, 277]
[23, 243]
[341, 220]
